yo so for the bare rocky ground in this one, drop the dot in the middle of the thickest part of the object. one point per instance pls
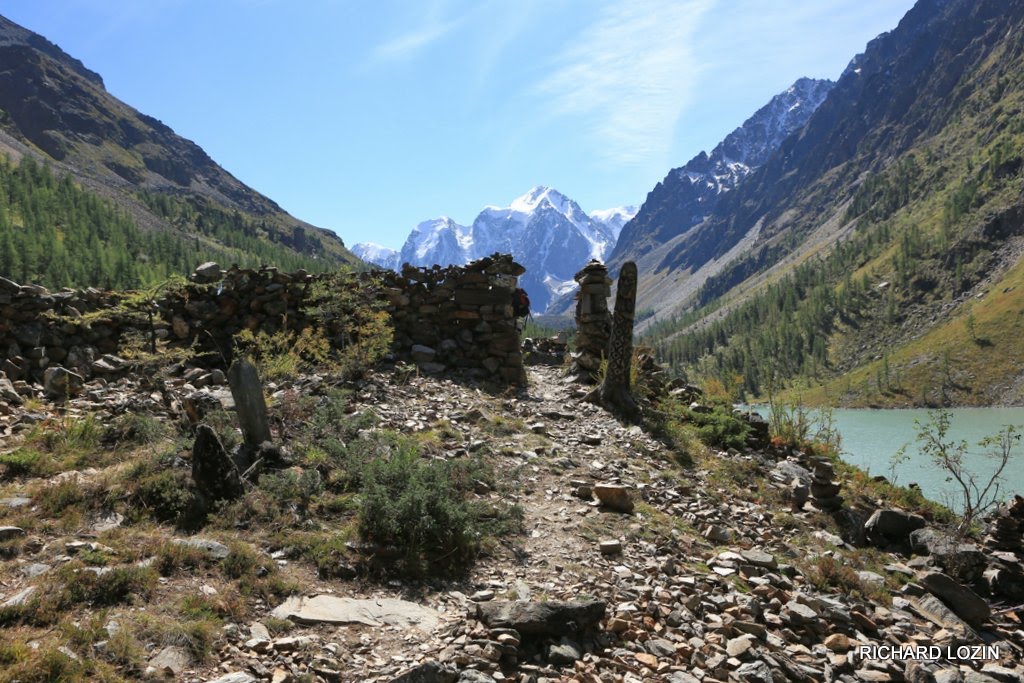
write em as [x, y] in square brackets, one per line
[687, 568]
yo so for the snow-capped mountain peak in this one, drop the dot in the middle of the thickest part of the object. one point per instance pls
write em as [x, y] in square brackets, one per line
[540, 195]
[385, 257]
[614, 218]
[543, 229]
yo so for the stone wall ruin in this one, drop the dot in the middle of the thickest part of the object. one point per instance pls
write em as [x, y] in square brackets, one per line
[456, 318]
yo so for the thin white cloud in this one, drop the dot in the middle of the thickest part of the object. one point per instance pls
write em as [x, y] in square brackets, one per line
[408, 44]
[629, 75]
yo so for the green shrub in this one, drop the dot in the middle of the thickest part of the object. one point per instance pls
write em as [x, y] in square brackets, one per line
[73, 585]
[720, 428]
[165, 495]
[135, 429]
[794, 424]
[291, 489]
[116, 586]
[283, 354]
[44, 665]
[75, 434]
[414, 506]
[55, 499]
[197, 636]
[243, 561]
[27, 462]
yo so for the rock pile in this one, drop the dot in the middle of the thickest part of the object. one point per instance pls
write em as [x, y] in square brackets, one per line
[547, 351]
[824, 487]
[593, 320]
[1006, 530]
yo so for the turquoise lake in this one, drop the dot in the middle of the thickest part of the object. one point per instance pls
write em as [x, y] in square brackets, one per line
[870, 438]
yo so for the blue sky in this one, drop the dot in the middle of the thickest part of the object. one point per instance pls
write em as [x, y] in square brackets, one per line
[369, 117]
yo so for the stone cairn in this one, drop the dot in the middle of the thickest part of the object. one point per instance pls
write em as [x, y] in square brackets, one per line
[1004, 575]
[593, 321]
[824, 487]
[1006, 531]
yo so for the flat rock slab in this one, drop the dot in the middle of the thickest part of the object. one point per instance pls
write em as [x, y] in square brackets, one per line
[236, 677]
[935, 611]
[15, 502]
[759, 558]
[967, 604]
[9, 532]
[213, 549]
[615, 497]
[172, 659]
[329, 609]
[554, 617]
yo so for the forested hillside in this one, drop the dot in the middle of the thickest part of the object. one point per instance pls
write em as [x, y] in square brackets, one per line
[55, 233]
[125, 170]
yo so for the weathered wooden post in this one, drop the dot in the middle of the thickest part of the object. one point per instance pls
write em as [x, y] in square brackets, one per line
[615, 390]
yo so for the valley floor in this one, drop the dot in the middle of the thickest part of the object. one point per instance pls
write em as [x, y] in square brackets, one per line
[711, 577]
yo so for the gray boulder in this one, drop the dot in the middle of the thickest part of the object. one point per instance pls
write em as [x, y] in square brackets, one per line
[891, 527]
[551, 618]
[60, 382]
[964, 602]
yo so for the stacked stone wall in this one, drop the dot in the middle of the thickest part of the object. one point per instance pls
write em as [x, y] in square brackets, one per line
[454, 318]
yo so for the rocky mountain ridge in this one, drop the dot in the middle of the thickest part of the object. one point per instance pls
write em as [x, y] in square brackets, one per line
[690, 193]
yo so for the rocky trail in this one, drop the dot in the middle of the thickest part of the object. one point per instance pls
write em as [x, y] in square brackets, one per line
[631, 565]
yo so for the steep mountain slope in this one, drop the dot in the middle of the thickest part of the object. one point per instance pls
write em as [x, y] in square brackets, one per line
[690, 193]
[547, 232]
[874, 226]
[54, 108]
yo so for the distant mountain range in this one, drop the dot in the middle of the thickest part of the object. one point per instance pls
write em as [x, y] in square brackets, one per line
[53, 108]
[544, 230]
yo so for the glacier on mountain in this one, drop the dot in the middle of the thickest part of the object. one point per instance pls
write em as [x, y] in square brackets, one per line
[544, 230]
[385, 257]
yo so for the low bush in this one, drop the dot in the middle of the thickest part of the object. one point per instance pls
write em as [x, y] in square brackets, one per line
[161, 490]
[107, 587]
[27, 461]
[719, 428]
[421, 507]
[132, 428]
